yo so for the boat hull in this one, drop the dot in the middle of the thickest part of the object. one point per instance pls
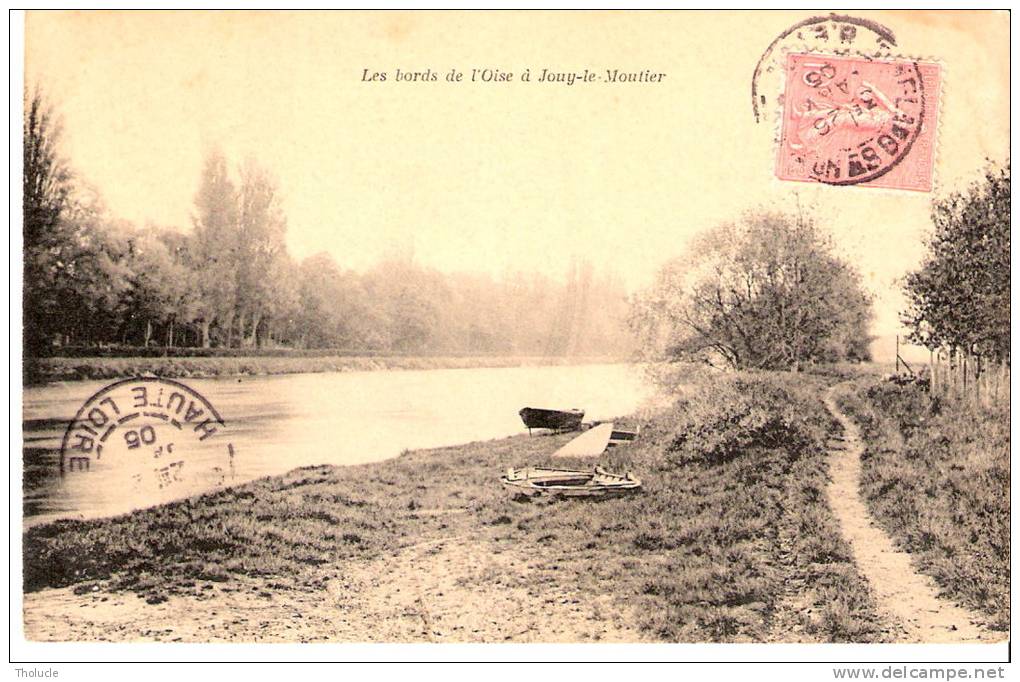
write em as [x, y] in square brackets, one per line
[533, 481]
[557, 420]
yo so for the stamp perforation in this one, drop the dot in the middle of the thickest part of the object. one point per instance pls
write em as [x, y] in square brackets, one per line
[935, 94]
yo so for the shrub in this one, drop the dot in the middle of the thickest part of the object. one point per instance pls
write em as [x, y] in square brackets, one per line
[744, 413]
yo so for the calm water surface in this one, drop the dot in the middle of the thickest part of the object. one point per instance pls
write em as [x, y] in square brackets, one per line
[278, 423]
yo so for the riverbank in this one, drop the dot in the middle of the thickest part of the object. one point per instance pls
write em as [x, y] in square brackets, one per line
[730, 540]
[43, 370]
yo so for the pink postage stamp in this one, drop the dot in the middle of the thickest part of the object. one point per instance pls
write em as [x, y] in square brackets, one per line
[856, 121]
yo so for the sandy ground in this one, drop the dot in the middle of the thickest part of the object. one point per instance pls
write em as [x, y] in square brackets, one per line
[475, 588]
[905, 597]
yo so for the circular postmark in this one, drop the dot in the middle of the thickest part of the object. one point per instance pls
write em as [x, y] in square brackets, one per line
[848, 120]
[147, 440]
[839, 34]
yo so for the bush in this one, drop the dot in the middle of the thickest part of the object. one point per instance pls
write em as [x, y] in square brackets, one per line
[742, 414]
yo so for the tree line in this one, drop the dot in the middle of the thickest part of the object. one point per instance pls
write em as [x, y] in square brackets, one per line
[959, 297]
[91, 279]
[768, 292]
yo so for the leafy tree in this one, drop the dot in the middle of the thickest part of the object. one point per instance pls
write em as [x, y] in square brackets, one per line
[766, 292]
[261, 250]
[959, 298]
[214, 248]
[183, 304]
[411, 302]
[47, 179]
[284, 302]
[320, 290]
[46, 185]
[75, 281]
[159, 286]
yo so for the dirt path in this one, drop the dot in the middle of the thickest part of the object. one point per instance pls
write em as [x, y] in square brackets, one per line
[909, 600]
[474, 588]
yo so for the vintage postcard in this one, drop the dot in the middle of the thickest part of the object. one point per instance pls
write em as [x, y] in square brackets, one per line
[514, 327]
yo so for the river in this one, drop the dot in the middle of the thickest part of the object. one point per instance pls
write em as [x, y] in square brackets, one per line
[277, 423]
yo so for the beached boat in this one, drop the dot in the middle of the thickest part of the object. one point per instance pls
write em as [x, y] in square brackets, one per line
[558, 420]
[568, 482]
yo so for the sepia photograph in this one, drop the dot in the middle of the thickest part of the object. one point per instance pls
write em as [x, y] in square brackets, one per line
[512, 327]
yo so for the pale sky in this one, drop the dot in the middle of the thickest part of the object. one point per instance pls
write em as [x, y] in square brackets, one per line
[491, 176]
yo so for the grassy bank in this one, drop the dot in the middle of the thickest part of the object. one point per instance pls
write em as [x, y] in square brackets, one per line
[731, 539]
[936, 476]
[43, 370]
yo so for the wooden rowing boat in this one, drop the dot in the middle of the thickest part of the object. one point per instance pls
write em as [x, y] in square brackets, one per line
[568, 482]
[558, 420]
